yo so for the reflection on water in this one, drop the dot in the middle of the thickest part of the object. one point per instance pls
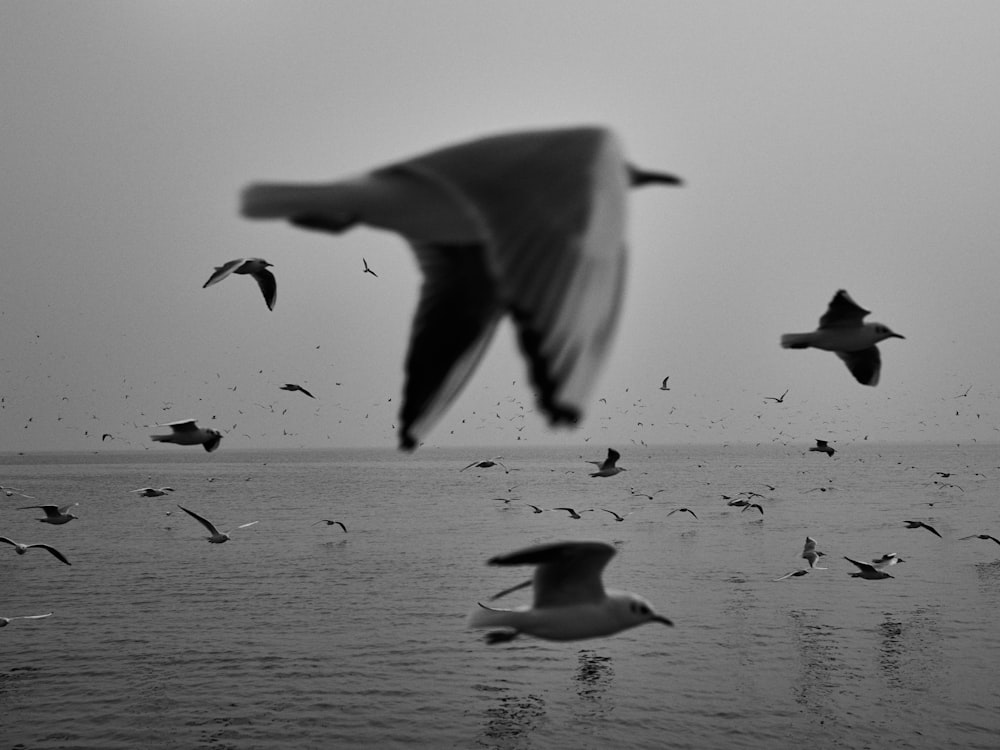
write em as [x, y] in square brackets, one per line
[910, 649]
[819, 661]
[511, 720]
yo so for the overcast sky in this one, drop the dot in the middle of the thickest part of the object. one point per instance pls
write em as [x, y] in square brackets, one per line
[825, 145]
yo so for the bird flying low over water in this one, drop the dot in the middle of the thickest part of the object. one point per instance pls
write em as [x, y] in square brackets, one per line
[663, 385]
[332, 523]
[11, 491]
[574, 514]
[688, 510]
[842, 332]
[54, 514]
[810, 554]
[22, 548]
[823, 447]
[922, 525]
[570, 601]
[296, 387]
[187, 432]
[979, 536]
[607, 467]
[867, 571]
[527, 224]
[5, 621]
[153, 491]
[487, 463]
[256, 267]
[217, 537]
[890, 558]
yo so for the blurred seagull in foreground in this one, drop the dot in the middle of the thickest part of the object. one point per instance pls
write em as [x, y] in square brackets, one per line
[332, 523]
[153, 491]
[607, 467]
[822, 446]
[842, 332]
[5, 621]
[570, 601]
[256, 267]
[979, 536]
[217, 537]
[810, 554]
[530, 224]
[22, 548]
[296, 387]
[54, 514]
[867, 571]
[922, 525]
[187, 432]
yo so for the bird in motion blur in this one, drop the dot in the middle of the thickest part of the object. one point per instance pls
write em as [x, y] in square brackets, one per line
[810, 554]
[153, 491]
[608, 467]
[296, 387]
[979, 536]
[215, 536]
[187, 432]
[54, 514]
[527, 224]
[5, 621]
[823, 446]
[922, 525]
[256, 267]
[842, 332]
[22, 548]
[867, 571]
[570, 601]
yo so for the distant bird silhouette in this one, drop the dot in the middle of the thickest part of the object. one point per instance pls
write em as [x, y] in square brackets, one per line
[618, 517]
[216, 536]
[823, 447]
[153, 491]
[187, 432]
[607, 467]
[842, 332]
[487, 463]
[296, 387]
[54, 514]
[778, 400]
[573, 514]
[528, 224]
[535, 508]
[979, 536]
[748, 506]
[867, 571]
[687, 510]
[367, 269]
[256, 267]
[332, 523]
[663, 386]
[922, 525]
[22, 548]
[5, 621]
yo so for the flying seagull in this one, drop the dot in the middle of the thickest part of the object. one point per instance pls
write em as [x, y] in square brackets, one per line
[486, 463]
[570, 601]
[867, 571]
[663, 385]
[778, 400]
[607, 467]
[217, 537]
[810, 554]
[530, 224]
[890, 558]
[186, 432]
[296, 387]
[331, 523]
[795, 574]
[842, 332]
[53, 513]
[367, 269]
[11, 491]
[685, 510]
[922, 525]
[5, 621]
[823, 447]
[153, 491]
[979, 536]
[574, 514]
[22, 548]
[256, 267]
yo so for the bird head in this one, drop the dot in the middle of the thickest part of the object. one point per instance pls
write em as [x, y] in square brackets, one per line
[635, 610]
[884, 332]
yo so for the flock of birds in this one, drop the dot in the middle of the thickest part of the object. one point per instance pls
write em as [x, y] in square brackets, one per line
[529, 225]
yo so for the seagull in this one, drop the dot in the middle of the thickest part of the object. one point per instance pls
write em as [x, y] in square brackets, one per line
[216, 537]
[778, 400]
[921, 525]
[367, 269]
[979, 536]
[687, 510]
[795, 573]
[22, 548]
[526, 224]
[256, 267]
[842, 332]
[811, 554]
[535, 508]
[327, 522]
[11, 491]
[887, 559]
[5, 621]
[487, 463]
[573, 514]
[570, 601]
[663, 385]
[617, 517]
[296, 387]
[54, 514]
[607, 468]
[186, 432]
[823, 447]
[748, 506]
[153, 491]
[867, 571]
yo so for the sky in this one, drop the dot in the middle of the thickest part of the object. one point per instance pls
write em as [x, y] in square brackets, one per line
[825, 146]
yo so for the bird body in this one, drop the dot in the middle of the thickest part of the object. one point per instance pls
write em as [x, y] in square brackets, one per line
[608, 467]
[867, 571]
[822, 446]
[842, 332]
[255, 267]
[570, 601]
[527, 224]
[187, 432]
[54, 514]
[296, 387]
[153, 491]
[810, 554]
[215, 536]
[22, 548]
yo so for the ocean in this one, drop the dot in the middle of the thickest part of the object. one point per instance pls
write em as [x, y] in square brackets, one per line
[295, 634]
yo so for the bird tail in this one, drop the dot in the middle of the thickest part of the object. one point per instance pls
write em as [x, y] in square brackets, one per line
[161, 438]
[796, 341]
[486, 617]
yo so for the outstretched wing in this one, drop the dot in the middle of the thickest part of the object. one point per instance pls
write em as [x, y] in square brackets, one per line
[842, 311]
[223, 271]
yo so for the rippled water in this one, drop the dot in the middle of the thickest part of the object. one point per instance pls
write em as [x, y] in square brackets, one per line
[295, 635]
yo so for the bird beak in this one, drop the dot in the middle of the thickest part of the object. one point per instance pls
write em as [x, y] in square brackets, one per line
[639, 177]
[664, 620]
[897, 335]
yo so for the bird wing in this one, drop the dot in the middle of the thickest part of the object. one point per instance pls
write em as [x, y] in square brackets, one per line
[13, 543]
[862, 565]
[566, 572]
[612, 459]
[61, 511]
[551, 207]
[243, 526]
[212, 443]
[268, 286]
[181, 425]
[223, 271]
[455, 320]
[203, 521]
[306, 392]
[843, 312]
[58, 555]
[865, 364]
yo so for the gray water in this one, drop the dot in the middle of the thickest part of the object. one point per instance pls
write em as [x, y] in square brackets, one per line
[294, 635]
